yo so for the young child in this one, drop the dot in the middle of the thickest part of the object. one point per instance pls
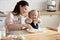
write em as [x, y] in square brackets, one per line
[33, 19]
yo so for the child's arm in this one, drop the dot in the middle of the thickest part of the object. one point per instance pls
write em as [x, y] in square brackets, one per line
[28, 20]
[39, 24]
[39, 20]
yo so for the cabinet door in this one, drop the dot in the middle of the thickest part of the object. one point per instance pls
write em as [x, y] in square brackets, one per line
[37, 4]
[50, 20]
[2, 22]
[2, 27]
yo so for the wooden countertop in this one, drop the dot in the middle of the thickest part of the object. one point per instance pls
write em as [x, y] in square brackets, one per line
[49, 13]
[46, 35]
[40, 13]
[3, 15]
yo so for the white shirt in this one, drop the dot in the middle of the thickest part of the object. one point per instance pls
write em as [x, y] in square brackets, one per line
[13, 20]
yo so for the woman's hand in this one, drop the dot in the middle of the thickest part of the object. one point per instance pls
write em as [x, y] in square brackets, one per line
[27, 26]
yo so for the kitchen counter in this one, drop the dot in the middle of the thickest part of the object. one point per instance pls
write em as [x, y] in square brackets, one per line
[3, 15]
[43, 35]
[49, 13]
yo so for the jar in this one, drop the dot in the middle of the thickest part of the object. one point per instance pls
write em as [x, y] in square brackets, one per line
[51, 6]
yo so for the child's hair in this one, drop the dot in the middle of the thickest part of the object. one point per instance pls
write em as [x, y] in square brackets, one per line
[31, 12]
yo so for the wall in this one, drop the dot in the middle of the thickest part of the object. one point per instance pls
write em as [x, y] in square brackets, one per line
[47, 20]
[40, 4]
[59, 5]
[7, 5]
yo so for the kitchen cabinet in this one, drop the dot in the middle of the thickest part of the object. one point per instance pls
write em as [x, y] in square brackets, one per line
[49, 18]
[2, 26]
[2, 22]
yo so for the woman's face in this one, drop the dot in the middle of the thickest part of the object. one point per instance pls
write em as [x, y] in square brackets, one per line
[23, 10]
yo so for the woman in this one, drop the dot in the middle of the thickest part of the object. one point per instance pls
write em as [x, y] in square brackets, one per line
[13, 21]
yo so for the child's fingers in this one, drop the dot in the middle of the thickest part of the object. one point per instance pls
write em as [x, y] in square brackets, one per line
[28, 20]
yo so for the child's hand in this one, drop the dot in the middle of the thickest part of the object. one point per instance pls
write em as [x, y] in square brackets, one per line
[39, 21]
[28, 20]
[36, 21]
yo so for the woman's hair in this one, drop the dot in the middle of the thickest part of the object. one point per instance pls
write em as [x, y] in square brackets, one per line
[16, 10]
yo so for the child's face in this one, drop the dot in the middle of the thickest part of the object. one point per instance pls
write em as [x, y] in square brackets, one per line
[34, 15]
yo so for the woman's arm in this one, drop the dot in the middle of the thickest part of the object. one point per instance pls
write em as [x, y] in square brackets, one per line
[14, 26]
[9, 23]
